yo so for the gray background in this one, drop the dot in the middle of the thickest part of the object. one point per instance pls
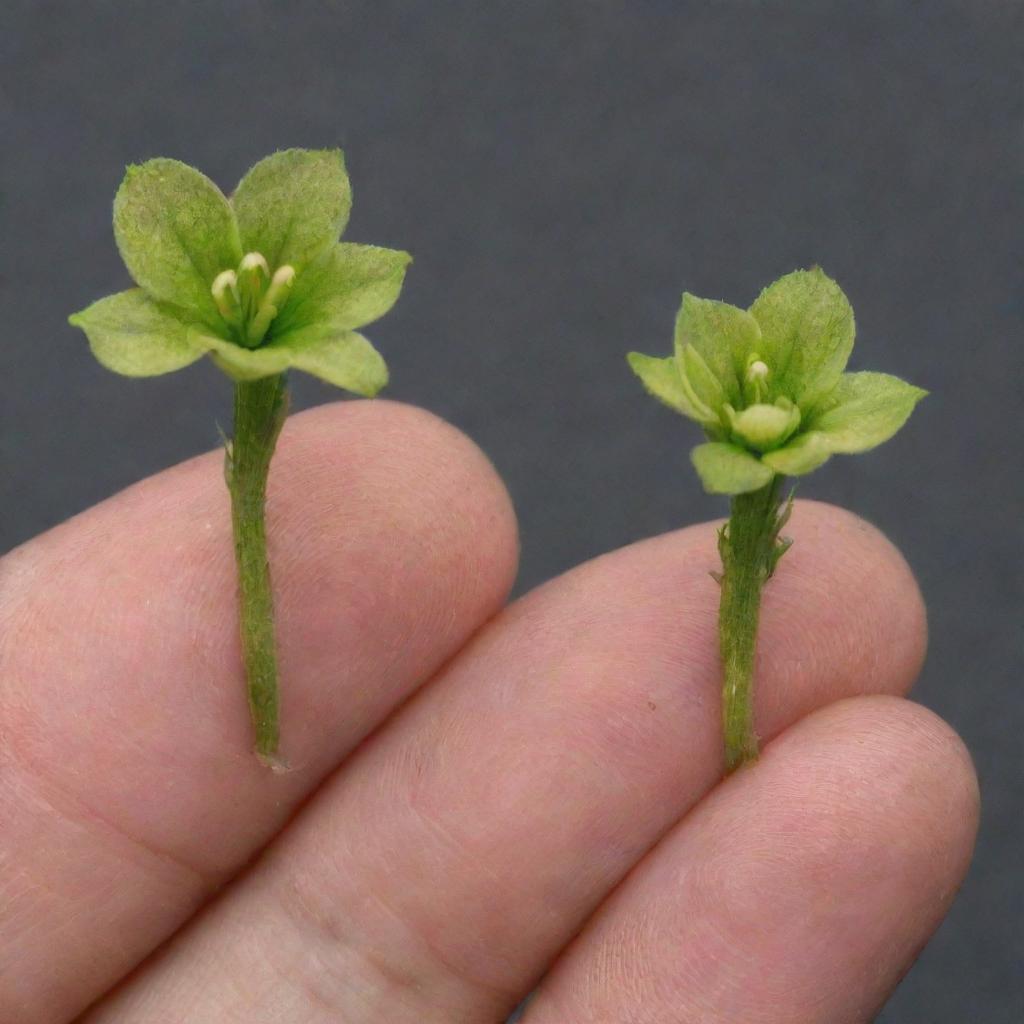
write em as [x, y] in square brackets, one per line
[562, 170]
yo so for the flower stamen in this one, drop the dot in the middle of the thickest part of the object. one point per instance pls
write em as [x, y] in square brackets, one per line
[250, 298]
[756, 380]
[253, 274]
[253, 262]
[270, 306]
[225, 295]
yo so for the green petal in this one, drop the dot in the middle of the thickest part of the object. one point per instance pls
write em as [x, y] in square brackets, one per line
[348, 286]
[293, 205]
[133, 335]
[662, 379]
[864, 409]
[807, 330]
[700, 381]
[343, 358]
[241, 363]
[723, 335]
[726, 469]
[176, 232]
[807, 452]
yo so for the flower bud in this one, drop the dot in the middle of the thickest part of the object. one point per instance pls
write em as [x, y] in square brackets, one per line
[763, 427]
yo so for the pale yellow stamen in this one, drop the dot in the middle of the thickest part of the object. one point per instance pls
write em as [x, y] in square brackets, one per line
[225, 295]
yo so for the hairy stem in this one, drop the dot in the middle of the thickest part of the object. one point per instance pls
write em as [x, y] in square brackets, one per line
[750, 548]
[260, 409]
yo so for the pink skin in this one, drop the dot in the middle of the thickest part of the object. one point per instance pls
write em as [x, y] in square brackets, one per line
[447, 863]
[129, 793]
[797, 892]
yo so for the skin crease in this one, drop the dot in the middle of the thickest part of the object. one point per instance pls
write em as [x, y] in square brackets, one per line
[451, 858]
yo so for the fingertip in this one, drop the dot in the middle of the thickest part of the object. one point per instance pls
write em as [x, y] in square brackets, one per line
[899, 769]
[843, 605]
[865, 552]
[800, 889]
[409, 468]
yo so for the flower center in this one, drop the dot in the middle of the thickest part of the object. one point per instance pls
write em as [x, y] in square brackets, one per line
[761, 424]
[249, 298]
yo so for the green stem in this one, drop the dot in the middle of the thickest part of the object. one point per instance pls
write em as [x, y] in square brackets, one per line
[260, 409]
[750, 548]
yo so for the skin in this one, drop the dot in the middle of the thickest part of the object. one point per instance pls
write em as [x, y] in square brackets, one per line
[482, 801]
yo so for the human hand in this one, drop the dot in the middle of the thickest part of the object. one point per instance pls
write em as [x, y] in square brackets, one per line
[477, 796]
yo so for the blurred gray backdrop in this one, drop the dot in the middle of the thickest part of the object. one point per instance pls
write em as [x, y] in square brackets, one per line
[561, 170]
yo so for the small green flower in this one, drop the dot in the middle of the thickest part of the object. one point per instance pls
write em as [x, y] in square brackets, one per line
[768, 384]
[769, 388]
[261, 284]
[258, 281]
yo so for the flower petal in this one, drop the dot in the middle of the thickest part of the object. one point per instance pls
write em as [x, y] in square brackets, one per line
[293, 204]
[134, 335]
[726, 469]
[805, 453]
[723, 335]
[662, 379]
[807, 334]
[242, 363]
[342, 358]
[347, 286]
[863, 410]
[175, 231]
[699, 380]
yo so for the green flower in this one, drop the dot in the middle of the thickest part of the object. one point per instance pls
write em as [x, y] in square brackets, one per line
[768, 384]
[259, 281]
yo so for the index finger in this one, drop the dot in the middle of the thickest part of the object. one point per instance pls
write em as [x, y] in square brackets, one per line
[129, 791]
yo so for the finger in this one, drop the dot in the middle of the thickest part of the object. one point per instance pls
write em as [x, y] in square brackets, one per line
[129, 789]
[468, 841]
[800, 890]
